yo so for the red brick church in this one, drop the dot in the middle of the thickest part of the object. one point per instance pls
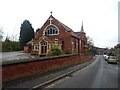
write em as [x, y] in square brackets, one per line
[53, 32]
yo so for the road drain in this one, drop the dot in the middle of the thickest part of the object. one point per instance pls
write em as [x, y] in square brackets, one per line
[56, 82]
[69, 75]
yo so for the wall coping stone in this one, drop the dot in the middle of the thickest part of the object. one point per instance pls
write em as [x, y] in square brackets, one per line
[26, 60]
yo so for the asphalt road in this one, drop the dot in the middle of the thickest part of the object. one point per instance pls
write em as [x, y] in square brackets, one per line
[99, 74]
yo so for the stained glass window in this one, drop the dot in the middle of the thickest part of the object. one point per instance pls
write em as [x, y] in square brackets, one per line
[51, 30]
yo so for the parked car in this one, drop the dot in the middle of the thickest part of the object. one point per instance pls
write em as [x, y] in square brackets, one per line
[118, 58]
[112, 59]
[105, 57]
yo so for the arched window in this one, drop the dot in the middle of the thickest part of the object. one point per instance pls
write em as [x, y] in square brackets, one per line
[51, 30]
[73, 45]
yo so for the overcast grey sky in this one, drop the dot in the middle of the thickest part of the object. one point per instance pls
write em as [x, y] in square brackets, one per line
[100, 17]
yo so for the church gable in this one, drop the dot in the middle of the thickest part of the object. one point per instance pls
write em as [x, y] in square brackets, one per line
[54, 27]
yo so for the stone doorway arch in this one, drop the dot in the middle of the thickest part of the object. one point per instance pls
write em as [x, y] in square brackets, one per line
[43, 45]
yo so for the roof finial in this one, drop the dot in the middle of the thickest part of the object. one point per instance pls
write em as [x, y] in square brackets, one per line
[51, 13]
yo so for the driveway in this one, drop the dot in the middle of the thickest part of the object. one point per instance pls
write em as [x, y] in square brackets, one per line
[15, 55]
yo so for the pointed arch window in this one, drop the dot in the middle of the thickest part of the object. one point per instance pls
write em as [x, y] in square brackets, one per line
[51, 30]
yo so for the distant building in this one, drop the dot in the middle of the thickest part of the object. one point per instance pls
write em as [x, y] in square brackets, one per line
[53, 32]
[117, 51]
[101, 51]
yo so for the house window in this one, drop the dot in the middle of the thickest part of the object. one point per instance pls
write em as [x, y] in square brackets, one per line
[36, 47]
[76, 45]
[72, 45]
[51, 30]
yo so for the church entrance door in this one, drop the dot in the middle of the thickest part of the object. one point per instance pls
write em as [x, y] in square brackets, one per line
[43, 47]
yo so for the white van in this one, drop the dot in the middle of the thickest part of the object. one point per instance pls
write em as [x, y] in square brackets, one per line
[105, 57]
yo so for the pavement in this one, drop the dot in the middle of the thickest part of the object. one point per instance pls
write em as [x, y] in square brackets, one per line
[36, 80]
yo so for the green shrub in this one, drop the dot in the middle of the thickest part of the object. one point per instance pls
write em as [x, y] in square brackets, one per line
[55, 50]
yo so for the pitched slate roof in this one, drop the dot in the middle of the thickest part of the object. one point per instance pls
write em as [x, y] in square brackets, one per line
[66, 27]
[77, 33]
[29, 43]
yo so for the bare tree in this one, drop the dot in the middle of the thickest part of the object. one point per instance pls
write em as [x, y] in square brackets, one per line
[90, 41]
[1, 33]
[1, 37]
[14, 37]
[90, 45]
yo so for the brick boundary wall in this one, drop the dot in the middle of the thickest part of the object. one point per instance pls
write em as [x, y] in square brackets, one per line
[13, 71]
